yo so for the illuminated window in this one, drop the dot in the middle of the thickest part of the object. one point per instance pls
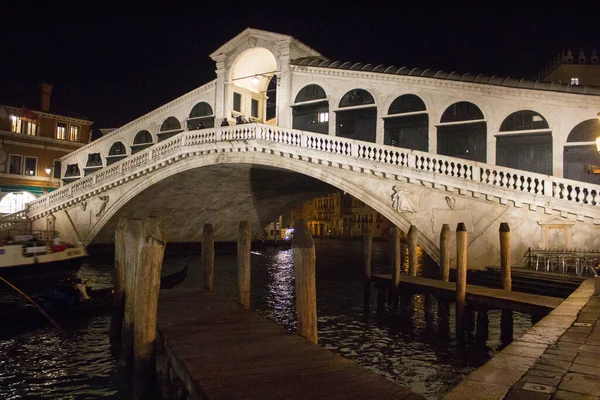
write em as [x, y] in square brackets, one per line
[24, 126]
[61, 131]
[574, 81]
[74, 133]
[30, 166]
[323, 117]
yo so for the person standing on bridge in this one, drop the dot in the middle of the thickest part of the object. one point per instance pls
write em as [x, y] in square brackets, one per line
[225, 122]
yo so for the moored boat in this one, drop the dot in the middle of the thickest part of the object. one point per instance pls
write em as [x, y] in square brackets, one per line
[26, 252]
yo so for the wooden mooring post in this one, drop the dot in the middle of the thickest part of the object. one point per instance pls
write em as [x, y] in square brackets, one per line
[461, 278]
[154, 241]
[396, 265]
[413, 259]
[304, 272]
[208, 257]
[130, 249]
[445, 252]
[505, 256]
[243, 263]
[483, 322]
[367, 252]
[116, 323]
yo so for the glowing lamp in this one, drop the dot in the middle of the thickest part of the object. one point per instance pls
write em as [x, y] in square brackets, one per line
[255, 80]
[48, 170]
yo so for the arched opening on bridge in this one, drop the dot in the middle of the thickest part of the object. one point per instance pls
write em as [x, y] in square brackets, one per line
[117, 152]
[525, 142]
[169, 128]
[462, 132]
[251, 75]
[356, 117]
[407, 123]
[71, 174]
[201, 117]
[271, 118]
[15, 201]
[580, 151]
[142, 140]
[311, 110]
[93, 164]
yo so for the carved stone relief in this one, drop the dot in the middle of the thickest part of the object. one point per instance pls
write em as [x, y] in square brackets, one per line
[400, 200]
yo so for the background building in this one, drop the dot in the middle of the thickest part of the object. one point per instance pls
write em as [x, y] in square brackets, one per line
[31, 145]
[584, 69]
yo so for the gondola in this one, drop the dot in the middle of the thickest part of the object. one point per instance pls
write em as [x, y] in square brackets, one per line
[102, 300]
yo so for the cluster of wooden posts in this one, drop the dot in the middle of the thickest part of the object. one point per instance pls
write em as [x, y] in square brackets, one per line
[139, 250]
[463, 315]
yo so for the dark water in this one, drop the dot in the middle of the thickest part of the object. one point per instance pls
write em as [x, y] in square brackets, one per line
[405, 346]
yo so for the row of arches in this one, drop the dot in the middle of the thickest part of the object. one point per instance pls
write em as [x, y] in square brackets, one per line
[524, 140]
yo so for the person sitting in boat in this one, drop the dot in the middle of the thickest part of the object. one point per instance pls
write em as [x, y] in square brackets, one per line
[81, 290]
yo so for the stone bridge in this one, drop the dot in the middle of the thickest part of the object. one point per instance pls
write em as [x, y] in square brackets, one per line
[255, 172]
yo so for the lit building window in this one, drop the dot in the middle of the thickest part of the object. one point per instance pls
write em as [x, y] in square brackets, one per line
[74, 133]
[30, 166]
[323, 117]
[61, 131]
[23, 125]
[574, 81]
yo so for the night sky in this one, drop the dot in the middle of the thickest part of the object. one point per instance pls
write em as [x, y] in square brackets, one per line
[114, 63]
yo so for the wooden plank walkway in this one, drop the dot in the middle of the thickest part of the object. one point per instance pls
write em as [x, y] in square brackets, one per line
[478, 296]
[221, 351]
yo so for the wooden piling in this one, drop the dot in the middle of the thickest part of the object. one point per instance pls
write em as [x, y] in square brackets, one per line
[396, 264]
[116, 324]
[443, 316]
[304, 271]
[146, 304]
[208, 257]
[461, 278]
[445, 252]
[505, 256]
[367, 251]
[413, 259]
[506, 327]
[243, 262]
[133, 244]
[483, 322]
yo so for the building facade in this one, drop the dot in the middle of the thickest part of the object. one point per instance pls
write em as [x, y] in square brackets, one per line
[32, 143]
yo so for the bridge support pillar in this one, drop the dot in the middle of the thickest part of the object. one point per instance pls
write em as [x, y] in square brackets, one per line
[304, 271]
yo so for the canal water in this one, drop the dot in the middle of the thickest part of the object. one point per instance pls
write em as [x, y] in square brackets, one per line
[406, 346]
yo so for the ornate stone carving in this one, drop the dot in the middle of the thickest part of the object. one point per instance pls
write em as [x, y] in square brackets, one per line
[451, 202]
[252, 42]
[400, 200]
[83, 205]
[104, 200]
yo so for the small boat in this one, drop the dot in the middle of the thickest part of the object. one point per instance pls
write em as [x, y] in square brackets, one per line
[58, 303]
[27, 252]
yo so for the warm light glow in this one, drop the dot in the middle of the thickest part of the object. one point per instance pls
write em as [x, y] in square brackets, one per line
[48, 170]
[598, 144]
[255, 81]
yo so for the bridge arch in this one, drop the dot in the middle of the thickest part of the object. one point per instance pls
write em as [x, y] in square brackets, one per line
[310, 111]
[356, 116]
[407, 123]
[117, 152]
[580, 151]
[170, 127]
[315, 171]
[462, 132]
[201, 116]
[524, 141]
[142, 140]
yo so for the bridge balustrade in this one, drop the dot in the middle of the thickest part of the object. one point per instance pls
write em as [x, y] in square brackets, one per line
[531, 183]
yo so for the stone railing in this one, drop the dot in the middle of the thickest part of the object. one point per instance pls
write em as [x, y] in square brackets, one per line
[432, 166]
[10, 220]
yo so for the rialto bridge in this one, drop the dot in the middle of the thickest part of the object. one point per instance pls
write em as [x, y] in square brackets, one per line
[421, 147]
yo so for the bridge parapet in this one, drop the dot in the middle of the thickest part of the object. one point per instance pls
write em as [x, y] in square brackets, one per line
[432, 170]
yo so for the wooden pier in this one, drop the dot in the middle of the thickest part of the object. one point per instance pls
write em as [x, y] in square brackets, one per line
[477, 296]
[217, 350]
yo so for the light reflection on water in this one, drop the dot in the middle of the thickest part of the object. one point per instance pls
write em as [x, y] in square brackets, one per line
[405, 346]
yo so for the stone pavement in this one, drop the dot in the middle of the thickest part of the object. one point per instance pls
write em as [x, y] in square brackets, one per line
[558, 358]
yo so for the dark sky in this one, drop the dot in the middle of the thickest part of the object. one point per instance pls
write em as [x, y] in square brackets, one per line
[113, 63]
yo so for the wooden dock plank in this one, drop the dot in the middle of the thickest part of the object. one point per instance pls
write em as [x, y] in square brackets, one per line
[478, 296]
[228, 352]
